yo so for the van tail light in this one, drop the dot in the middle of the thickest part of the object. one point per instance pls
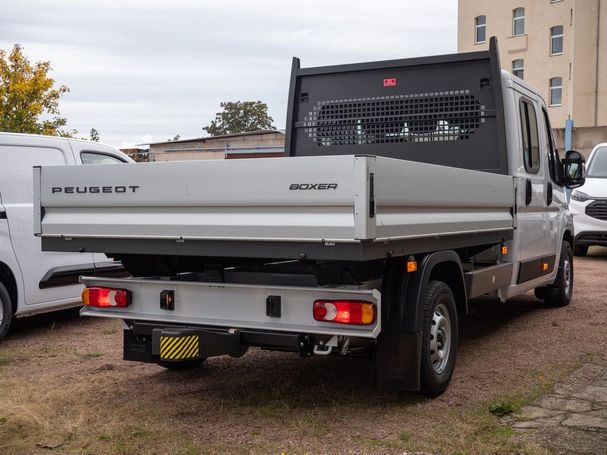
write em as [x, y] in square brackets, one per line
[356, 312]
[106, 297]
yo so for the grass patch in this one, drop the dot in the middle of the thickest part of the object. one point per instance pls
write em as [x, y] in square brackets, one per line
[501, 409]
[404, 437]
[6, 360]
[90, 355]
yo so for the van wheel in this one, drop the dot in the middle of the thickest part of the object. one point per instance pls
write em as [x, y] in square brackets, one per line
[184, 365]
[580, 250]
[6, 311]
[559, 294]
[439, 340]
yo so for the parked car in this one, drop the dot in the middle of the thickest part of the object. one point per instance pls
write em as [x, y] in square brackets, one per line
[588, 204]
[33, 281]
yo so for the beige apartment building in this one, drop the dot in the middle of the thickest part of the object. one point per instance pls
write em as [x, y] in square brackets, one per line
[558, 46]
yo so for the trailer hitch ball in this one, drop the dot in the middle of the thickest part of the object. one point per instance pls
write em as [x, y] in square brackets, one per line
[326, 348]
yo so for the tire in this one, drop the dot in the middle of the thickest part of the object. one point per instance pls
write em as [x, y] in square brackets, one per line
[439, 339]
[181, 366]
[580, 250]
[559, 294]
[6, 311]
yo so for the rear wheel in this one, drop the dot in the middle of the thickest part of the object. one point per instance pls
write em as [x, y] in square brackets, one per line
[580, 250]
[559, 294]
[184, 365]
[439, 340]
[6, 311]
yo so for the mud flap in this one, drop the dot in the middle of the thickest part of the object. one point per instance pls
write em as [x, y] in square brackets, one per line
[398, 361]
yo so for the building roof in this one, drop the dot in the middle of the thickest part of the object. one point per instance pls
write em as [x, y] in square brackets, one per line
[224, 136]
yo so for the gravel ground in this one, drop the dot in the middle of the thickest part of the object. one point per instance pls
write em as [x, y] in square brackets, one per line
[65, 389]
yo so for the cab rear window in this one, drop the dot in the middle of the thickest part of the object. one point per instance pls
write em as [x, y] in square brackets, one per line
[531, 146]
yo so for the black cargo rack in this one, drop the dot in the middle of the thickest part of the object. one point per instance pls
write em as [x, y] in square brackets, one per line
[444, 109]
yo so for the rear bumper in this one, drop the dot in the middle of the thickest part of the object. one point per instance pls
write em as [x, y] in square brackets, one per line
[236, 307]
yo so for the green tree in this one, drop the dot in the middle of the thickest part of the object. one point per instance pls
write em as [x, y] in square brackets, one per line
[240, 117]
[94, 135]
[29, 99]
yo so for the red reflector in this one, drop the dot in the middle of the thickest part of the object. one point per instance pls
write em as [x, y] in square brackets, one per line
[356, 312]
[106, 297]
[390, 82]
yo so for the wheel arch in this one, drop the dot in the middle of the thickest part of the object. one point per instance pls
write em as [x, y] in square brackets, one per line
[450, 272]
[568, 237]
[404, 291]
[7, 278]
[444, 266]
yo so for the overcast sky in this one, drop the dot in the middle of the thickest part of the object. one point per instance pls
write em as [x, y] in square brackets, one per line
[147, 70]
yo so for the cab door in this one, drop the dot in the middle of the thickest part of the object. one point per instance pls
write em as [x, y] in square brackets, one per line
[556, 201]
[536, 250]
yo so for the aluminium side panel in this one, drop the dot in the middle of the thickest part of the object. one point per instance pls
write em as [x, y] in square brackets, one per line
[286, 199]
[424, 200]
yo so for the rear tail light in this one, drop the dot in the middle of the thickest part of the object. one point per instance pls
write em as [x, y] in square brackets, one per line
[106, 297]
[356, 312]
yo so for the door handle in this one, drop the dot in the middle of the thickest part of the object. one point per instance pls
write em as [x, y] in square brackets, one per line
[528, 192]
[548, 193]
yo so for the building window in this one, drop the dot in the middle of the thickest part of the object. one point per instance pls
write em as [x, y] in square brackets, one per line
[556, 40]
[556, 91]
[480, 29]
[518, 67]
[518, 21]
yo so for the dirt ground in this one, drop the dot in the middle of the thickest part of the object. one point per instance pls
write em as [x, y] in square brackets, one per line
[65, 389]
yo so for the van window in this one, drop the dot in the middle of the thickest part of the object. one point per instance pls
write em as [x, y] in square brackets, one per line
[98, 158]
[554, 160]
[16, 174]
[531, 148]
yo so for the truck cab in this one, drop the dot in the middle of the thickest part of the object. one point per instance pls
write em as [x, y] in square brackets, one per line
[542, 217]
[33, 281]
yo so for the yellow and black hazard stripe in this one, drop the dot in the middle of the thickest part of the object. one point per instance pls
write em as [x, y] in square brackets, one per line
[179, 348]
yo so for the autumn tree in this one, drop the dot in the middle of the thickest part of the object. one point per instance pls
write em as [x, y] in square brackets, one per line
[240, 117]
[29, 99]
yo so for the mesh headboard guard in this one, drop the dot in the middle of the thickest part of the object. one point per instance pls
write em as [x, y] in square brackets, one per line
[443, 110]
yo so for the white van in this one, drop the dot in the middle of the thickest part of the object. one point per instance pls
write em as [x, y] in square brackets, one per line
[33, 281]
[588, 204]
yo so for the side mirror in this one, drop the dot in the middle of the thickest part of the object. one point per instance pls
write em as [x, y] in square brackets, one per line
[574, 170]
